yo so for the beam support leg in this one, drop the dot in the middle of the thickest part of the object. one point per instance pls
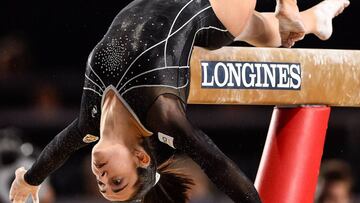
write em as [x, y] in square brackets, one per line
[292, 154]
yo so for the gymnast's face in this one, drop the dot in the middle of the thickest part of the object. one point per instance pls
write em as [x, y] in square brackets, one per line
[336, 192]
[115, 168]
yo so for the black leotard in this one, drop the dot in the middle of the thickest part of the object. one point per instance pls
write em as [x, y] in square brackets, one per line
[144, 54]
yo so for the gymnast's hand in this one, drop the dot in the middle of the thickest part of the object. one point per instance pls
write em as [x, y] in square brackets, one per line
[291, 27]
[20, 189]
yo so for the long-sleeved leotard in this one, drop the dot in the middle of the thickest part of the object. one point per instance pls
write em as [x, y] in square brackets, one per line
[144, 54]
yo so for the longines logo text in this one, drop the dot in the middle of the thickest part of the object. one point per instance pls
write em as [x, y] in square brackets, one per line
[251, 75]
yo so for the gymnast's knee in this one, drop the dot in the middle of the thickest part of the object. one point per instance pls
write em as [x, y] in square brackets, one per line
[234, 14]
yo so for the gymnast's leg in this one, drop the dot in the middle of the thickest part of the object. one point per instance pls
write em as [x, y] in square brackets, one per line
[167, 115]
[262, 29]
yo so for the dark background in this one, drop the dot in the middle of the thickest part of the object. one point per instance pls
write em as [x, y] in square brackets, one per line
[41, 92]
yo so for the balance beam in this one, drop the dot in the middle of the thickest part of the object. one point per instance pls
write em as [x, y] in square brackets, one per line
[275, 76]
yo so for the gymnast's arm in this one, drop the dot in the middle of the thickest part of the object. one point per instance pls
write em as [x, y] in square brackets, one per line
[167, 116]
[55, 154]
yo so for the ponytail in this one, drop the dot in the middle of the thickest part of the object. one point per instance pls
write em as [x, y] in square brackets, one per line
[172, 186]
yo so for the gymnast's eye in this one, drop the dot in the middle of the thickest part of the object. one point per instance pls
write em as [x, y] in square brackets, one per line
[116, 181]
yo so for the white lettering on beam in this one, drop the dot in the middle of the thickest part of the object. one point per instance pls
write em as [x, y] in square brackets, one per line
[251, 75]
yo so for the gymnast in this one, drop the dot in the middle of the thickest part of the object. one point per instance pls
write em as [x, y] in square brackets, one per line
[135, 91]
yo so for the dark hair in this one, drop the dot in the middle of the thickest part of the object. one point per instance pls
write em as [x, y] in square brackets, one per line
[333, 171]
[172, 186]
[336, 170]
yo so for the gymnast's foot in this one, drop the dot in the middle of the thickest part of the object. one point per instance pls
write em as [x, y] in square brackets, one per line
[325, 12]
[291, 26]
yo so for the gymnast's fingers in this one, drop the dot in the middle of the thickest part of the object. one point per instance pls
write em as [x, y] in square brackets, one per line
[35, 197]
[13, 190]
[23, 199]
[20, 198]
[20, 171]
[11, 193]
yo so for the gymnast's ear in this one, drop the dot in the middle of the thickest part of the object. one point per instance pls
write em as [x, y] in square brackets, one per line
[143, 158]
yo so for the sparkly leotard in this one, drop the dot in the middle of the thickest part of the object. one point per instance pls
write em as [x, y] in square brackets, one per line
[145, 54]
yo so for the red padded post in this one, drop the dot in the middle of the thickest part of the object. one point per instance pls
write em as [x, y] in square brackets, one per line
[291, 158]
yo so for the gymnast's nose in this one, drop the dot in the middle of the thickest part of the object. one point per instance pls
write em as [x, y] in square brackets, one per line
[102, 177]
[103, 174]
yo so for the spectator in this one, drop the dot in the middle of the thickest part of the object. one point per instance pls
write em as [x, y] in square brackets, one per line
[335, 183]
[14, 55]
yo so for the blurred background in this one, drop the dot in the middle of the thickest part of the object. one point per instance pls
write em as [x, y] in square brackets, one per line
[44, 46]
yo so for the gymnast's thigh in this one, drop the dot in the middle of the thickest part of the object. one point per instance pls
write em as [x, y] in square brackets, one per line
[234, 14]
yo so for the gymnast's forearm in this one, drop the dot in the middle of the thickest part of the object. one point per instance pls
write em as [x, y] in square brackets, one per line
[167, 115]
[219, 168]
[55, 154]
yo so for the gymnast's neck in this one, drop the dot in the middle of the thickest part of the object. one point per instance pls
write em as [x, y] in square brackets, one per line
[117, 124]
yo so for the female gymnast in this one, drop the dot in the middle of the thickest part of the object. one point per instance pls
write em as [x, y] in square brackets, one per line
[135, 91]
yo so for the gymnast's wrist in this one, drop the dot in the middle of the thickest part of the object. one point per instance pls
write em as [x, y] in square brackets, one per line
[29, 180]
